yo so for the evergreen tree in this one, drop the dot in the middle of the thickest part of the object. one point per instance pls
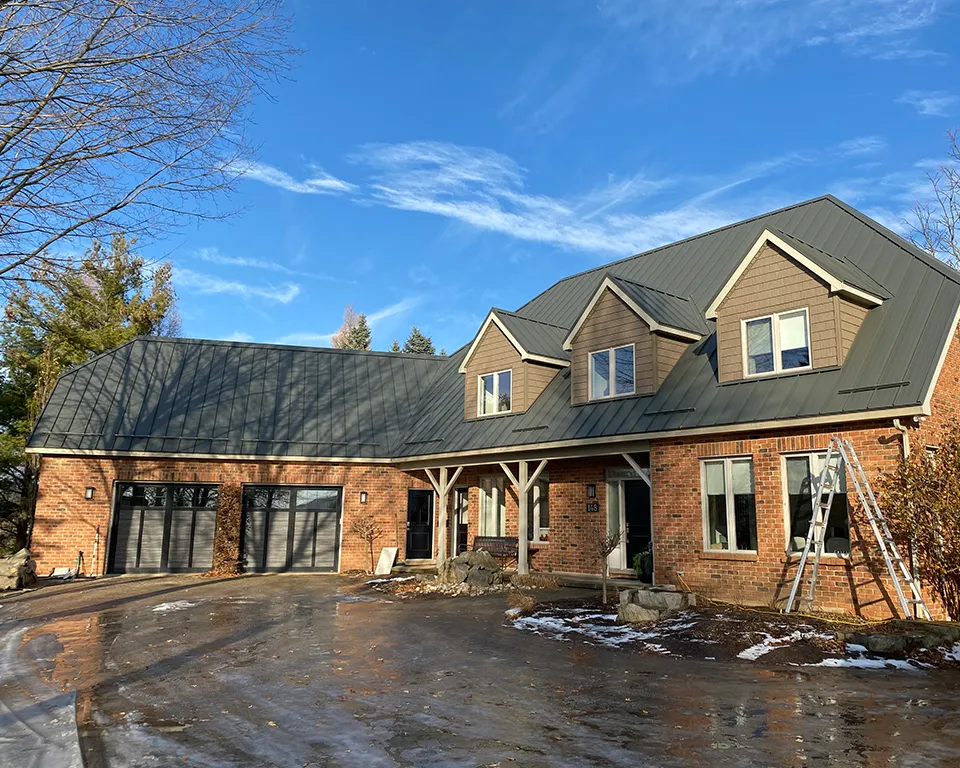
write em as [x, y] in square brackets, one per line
[395, 347]
[418, 344]
[359, 335]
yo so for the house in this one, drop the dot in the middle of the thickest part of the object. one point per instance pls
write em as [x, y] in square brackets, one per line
[684, 395]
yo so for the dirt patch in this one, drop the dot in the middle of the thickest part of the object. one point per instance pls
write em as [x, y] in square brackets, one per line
[732, 634]
[425, 586]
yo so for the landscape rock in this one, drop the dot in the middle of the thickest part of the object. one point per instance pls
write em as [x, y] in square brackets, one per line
[453, 571]
[479, 559]
[477, 570]
[635, 614]
[480, 578]
[18, 570]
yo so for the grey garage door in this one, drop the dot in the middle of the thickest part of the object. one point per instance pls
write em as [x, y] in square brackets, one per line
[291, 528]
[159, 528]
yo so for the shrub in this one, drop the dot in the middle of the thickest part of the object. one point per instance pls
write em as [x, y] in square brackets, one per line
[226, 540]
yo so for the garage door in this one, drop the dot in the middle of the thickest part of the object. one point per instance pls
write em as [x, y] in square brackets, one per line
[291, 528]
[159, 528]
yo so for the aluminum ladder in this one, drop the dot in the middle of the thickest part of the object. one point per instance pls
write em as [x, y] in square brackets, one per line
[841, 454]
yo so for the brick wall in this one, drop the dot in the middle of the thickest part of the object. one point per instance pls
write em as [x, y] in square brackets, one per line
[66, 522]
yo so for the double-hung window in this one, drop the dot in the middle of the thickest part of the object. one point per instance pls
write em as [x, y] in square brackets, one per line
[493, 518]
[729, 505]
[538, 511]
[611, 372]
[803, 478]
[494, 393]
[776, 343]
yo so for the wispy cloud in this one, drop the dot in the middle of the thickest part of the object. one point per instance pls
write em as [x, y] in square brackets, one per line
[310, 338]
[214, 256]
[931, 103]
[203, 283]
[307, 339]
[318, 183]
[238, 336]
[864, 145]
[404, 305]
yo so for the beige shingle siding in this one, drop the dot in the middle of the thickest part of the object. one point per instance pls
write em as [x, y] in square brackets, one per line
[775, 283]
[612, 324]
[536, 377]
[668, 353]
[851, 318]
[494, 353]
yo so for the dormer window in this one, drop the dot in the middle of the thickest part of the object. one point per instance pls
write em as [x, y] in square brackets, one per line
[776, 343]
[612, 372]
[495, 395]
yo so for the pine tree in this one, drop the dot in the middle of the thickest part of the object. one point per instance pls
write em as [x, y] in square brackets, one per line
[418, 344]
[359, 335]
[395, 347]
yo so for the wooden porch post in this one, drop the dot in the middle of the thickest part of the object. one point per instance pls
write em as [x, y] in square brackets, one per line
[442, 488]
[523, 482]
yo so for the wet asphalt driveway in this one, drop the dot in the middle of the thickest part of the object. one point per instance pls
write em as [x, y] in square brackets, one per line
[307, 671]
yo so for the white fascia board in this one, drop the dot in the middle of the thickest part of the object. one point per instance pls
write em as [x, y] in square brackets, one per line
[655, 327]
[835, 283]
[524, 355]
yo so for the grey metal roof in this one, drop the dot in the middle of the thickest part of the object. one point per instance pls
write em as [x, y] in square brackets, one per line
[837, 266]
[536, 337]
[216, 397]
[666, 308]
[222, 398]
[891, 363]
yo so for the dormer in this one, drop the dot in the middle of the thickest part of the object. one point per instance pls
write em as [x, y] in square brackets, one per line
[510, 363]
[628, 339]
[789, 307]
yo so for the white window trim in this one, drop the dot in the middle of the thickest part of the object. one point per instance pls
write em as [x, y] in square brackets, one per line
[728, 491]
[774, 319]
[535, 497]
[612, 372]
[785, 493]
[496, 490]
[496, 393]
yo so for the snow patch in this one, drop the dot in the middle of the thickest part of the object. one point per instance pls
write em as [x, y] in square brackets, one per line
[176, 605]
[771, 643]
[595, 628]
[953, 655]
[513, 613]
[395, 578]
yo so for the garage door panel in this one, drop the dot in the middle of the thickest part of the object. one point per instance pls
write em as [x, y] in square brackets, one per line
[301, 521]
[178, 554]
[278, 533]
[151, 538]
[327, 540]
[126, 535]
[253, 538]
[303, 539]
[204, 530]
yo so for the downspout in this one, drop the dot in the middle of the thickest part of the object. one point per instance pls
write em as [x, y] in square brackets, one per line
[905, 444]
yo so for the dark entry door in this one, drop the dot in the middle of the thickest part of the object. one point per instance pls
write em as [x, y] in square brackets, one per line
[636, 496]
[419, 525]
[460, 529]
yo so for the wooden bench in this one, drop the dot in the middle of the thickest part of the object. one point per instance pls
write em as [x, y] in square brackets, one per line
[503, 548]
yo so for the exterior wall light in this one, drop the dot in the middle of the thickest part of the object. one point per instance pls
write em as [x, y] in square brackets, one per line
[591, 491]
[88, 492]
[363, 497]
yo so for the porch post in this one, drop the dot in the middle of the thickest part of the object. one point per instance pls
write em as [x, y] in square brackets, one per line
[523, 544]
[442, 519]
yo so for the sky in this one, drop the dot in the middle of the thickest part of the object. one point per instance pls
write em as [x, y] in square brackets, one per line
[425, 161]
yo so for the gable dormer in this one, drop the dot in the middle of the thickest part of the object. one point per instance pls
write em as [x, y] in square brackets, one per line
[628, 339]
[789, 307]
[509, 364]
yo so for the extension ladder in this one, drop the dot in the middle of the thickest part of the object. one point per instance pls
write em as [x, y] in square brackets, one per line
[840, 454]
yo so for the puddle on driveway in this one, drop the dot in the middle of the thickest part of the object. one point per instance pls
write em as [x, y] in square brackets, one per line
[290, 672]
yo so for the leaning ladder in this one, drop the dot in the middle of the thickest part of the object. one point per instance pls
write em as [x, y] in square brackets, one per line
[840, 454]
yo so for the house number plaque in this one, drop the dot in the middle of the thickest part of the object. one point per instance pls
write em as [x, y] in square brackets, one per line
[593, 506]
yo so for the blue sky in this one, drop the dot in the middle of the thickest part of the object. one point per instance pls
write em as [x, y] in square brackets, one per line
[428, 160]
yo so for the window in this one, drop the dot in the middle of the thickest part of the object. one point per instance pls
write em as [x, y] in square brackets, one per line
[493, 518]
[803, 477]
[729, 508]
[494, 394]
[611, 372]
[538, 511]
[776, 343]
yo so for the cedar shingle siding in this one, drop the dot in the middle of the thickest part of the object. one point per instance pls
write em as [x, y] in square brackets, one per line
[775, 283]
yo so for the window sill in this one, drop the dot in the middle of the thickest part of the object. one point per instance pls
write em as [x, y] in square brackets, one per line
[720, 554]
[538, 544]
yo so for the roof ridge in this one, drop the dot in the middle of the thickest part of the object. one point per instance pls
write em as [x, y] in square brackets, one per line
[651, 288]
[268, 345]
[714, 231]
[530, 319]
[901, 242]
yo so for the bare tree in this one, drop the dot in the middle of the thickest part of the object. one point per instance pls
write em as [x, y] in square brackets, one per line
[124, 114]
[602, 545]
[936, 225]
[367, 529]
[341, 339]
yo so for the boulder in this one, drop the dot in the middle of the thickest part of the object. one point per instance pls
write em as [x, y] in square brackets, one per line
[664, 600]
[480, 578]
[479, 559]
[453, 571]
[18, 570]
[635, 614]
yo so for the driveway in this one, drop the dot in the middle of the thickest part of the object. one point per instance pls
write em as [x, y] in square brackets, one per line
[297, 670]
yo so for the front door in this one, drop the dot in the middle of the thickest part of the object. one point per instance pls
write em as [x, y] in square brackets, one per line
[419, 525]
[460, 530]
[639, 528]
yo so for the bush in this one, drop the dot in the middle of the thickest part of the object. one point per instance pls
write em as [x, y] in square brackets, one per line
[226, 540]
[921, 500]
